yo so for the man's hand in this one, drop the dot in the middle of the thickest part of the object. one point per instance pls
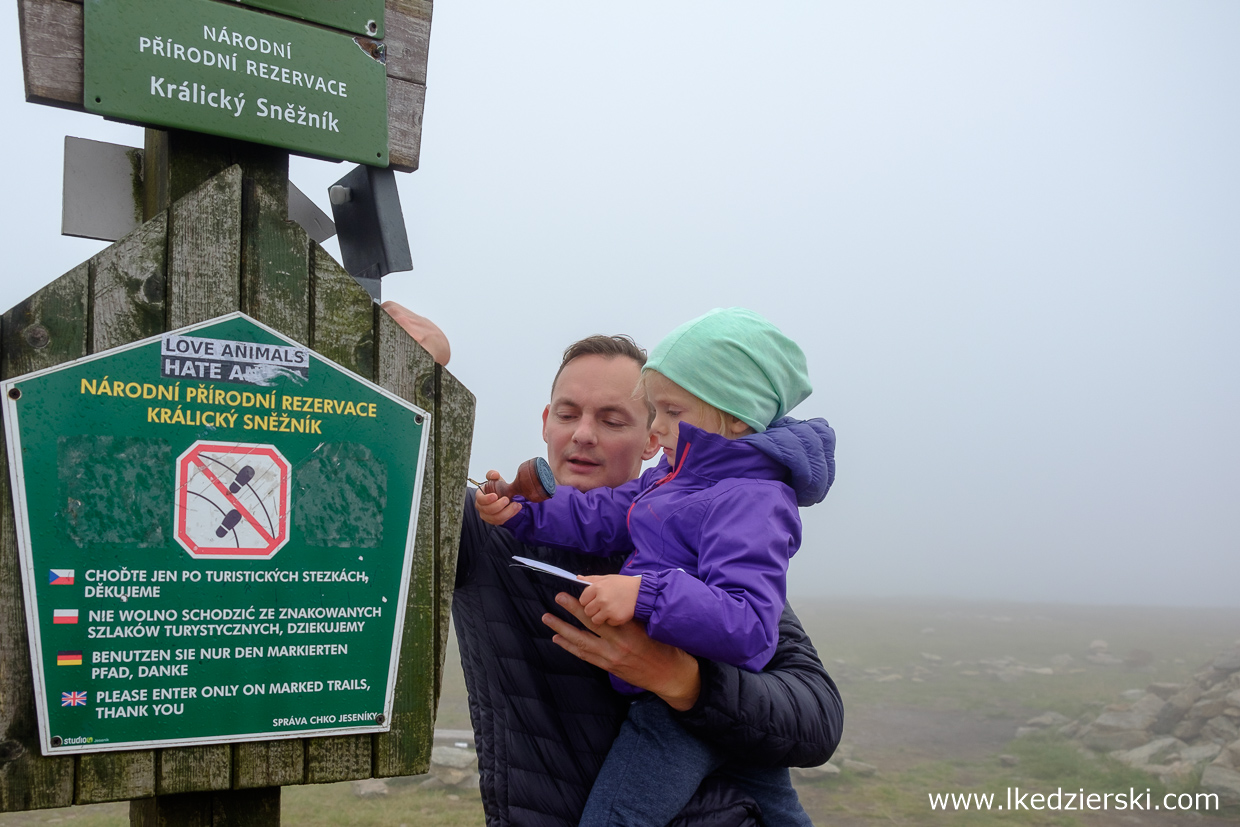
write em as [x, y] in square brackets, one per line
[423, 330]
[627, 652]
[493, 508]
[610, 598]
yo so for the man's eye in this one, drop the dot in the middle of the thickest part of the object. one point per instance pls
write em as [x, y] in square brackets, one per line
[614, 424]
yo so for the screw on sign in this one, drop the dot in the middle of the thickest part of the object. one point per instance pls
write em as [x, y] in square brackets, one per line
[232, 500]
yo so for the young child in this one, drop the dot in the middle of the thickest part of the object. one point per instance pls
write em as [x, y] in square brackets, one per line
[711, 530]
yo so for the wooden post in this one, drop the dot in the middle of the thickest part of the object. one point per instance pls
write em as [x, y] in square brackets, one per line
[216, 239]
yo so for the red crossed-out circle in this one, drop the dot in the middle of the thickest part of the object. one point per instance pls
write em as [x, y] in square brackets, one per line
[232, 500]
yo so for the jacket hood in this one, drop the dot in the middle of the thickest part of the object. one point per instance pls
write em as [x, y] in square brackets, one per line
[806, 448]
[799, 453]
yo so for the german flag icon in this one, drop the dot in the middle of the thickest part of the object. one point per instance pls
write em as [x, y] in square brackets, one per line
[68, 658]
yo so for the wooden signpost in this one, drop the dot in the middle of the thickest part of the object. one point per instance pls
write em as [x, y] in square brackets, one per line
[215, 240]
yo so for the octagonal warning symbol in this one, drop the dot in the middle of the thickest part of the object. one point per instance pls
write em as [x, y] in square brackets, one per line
[232, 500]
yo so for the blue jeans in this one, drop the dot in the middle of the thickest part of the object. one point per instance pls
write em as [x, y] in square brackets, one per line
[655, 766]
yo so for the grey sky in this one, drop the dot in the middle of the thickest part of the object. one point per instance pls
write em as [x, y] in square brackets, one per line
[1005, 234]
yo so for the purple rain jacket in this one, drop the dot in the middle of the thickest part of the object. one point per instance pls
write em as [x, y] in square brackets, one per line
[711, 538]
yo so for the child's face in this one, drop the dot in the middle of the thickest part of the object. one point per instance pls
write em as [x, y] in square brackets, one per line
[673, 405]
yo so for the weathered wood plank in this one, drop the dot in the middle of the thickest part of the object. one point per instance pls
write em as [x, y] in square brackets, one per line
[405, 103]
[193, 769]
[343, 331]
[275, 277]
[204, 281]
[407, 370]
[344, 327]
[51, 35]
[269, 764]
[275, 263]
[130, 287]
[454, 430]
[114, 776]
[204, 251]
[246, 808]
[44, 330]
[407, 35]
[127, 295]
[49, 327]
[185, 810]
[342, 758]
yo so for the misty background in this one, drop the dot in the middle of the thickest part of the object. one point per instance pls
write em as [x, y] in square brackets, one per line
[1006, 236]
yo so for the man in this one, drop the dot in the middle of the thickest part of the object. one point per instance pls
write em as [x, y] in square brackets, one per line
[543, 716]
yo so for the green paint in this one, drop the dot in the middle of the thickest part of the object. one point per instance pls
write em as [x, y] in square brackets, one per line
[204, 66]
[357, 16]
[192, 630]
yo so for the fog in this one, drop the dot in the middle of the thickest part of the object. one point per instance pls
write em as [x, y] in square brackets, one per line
[1004, 234]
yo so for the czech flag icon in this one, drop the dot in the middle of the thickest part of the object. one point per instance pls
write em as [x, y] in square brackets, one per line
[61, 577]
[64, 615]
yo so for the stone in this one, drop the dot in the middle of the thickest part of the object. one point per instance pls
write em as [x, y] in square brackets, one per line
[454, 757]
[1206, 709]
[1220, 729]
[815, 773]
[1049, 719]
[1233, 698]
[432, 783]
[451, 776]
[1122, 721]
[1103, 659]
[1039, 670]
[1070, 730]
[1224, 782]
[1062, 661]
[931, 658]
[1228, 661]
[1176, 774]
[370, 788]
[1111, 741]
[1009, 760]
[1132, 694]
[1200, 754]
[1151, 753]
[1165, 690]
[860, 767]
[1098, 646]
[1024, 731]
[1188, 729]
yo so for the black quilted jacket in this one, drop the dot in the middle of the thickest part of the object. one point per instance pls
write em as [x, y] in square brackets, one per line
[544, 720]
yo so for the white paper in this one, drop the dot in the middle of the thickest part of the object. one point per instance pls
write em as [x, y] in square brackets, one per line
[547, 568]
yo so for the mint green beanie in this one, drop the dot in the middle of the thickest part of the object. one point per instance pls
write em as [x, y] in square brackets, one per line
[737, 361]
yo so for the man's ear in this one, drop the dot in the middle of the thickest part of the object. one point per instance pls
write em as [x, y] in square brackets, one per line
[546, 412]
[652, 447]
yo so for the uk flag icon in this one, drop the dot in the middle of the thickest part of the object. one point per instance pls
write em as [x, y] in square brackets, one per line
[73, 699]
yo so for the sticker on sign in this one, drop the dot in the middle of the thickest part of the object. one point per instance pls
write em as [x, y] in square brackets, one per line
[232, 500]
[247, 363]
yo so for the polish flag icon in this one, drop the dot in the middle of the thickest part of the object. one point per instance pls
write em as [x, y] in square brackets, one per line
[64, 615]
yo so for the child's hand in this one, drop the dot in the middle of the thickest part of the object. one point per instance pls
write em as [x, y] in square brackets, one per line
[610, 598]
[493, 508]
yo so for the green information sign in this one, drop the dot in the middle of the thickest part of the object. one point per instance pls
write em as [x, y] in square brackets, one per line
[210, 67]
[216, 534]
[360, 16]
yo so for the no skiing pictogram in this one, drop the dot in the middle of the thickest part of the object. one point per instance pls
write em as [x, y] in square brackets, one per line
[232, 500]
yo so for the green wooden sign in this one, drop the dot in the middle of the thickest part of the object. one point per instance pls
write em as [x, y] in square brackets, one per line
[210, 67]
[360, 16]
[216, 533]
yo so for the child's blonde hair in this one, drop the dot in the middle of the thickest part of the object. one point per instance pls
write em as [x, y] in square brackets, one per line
[727, 423]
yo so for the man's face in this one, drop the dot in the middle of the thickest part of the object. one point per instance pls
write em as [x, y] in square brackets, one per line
[595, 428]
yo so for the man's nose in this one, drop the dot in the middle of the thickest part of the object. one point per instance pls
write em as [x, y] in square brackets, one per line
[585, 433]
